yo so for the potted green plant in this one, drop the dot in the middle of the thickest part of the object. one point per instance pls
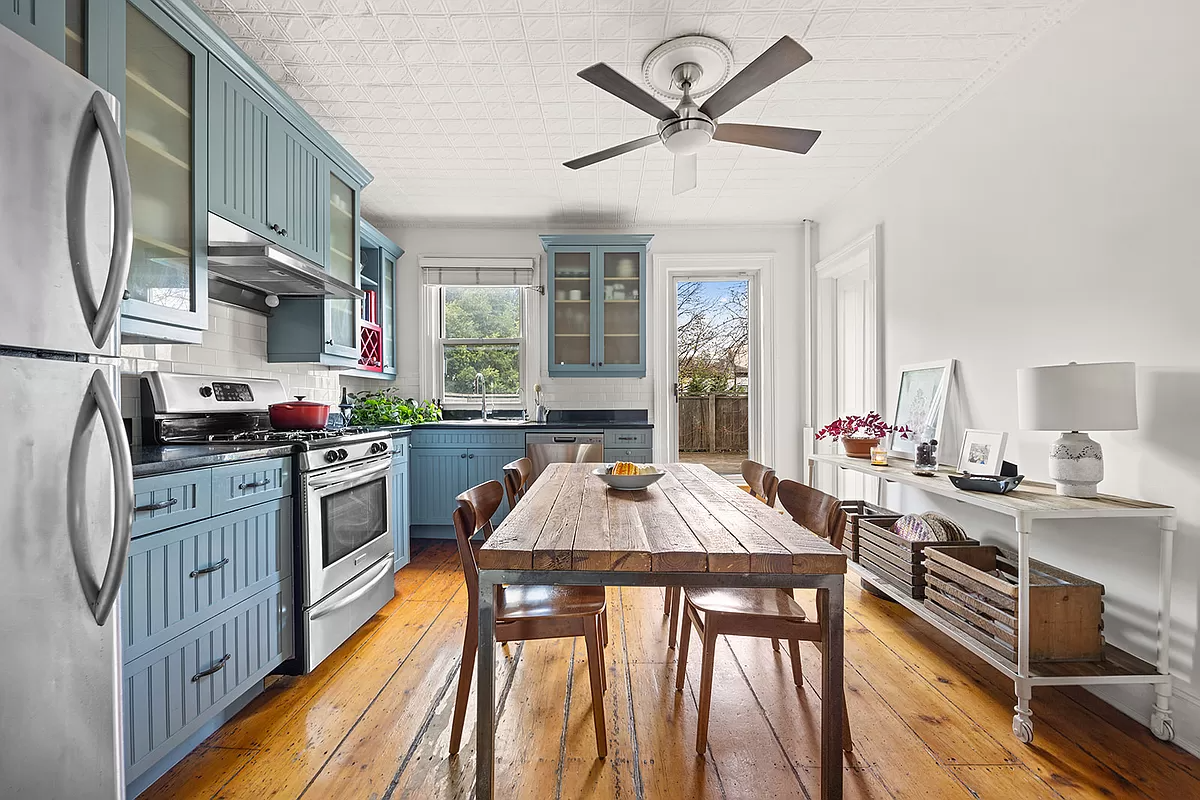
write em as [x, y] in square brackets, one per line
[387, 407]
[859, 434]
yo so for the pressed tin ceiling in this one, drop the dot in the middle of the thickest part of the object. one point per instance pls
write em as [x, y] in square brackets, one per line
[464, 110]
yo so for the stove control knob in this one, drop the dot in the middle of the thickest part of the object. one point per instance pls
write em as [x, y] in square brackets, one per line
[331, 456]
[206, 391]
[342, 454]
[383, 447]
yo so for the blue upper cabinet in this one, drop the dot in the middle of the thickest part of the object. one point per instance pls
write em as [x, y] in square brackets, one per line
[596, 304]
[166, 144]
[297, 191]
[43, 22]
[378, 257]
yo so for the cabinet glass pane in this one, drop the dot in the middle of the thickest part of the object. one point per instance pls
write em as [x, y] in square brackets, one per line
[75, 32]
[387, 316]
[572, 308]
[622, 308]
[158, 135]
[341, 230]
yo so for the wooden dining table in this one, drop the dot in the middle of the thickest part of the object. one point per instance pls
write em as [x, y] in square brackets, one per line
[691, 528]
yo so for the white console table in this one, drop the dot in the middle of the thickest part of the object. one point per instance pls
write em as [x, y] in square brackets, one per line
[1031, 502]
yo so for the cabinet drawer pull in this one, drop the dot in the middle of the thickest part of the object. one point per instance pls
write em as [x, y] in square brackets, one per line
[215, 668]
[462, 455]
[196, 573]
[156, 506]
[627, 438]
[255, 485]
[329, 342]
[470, 455]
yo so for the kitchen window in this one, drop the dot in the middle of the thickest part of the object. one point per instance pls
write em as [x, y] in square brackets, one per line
[482, 333]
[476, 315]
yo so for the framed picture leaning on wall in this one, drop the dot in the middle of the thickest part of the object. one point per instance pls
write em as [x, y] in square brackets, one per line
[920, 405]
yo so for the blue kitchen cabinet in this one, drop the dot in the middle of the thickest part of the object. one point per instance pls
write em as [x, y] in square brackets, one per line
[166, 136]
[596, 305]
[400, 487]
[87, 35]
[487, 464]
[43, 23]
[296, 192]
[378, 256]
[447, 462]
[438, 475]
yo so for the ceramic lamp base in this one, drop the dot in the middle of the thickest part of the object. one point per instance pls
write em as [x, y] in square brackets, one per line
[1076, 465]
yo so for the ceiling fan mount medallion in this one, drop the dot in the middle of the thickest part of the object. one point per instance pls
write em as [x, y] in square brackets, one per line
[676, 69]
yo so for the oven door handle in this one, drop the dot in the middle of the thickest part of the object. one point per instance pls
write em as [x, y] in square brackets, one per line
[369, 578]
[349, 479]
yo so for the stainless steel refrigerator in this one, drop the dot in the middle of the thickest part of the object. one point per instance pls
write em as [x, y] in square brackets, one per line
[66, 482]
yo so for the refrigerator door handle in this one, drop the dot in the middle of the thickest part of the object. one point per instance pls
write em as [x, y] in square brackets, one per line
[122, 462]
[99, 118]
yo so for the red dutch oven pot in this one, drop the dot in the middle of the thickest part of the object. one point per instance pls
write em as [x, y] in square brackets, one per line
[298, 415]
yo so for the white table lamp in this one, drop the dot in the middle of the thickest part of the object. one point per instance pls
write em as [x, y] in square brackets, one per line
[1071, 398]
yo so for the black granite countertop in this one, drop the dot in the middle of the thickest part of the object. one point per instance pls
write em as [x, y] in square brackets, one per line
[518, 425]
[160, 459]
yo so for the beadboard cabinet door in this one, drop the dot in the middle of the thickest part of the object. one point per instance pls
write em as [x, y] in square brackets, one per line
[297, 191]
[41, 22]
[238, 160]
[486, 464]
[438, 475]
[400, 487]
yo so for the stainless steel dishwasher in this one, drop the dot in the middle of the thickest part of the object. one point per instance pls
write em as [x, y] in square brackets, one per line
[569, 447]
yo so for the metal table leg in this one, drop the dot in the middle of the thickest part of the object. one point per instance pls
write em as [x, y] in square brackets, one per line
[1160, 718]
[1023, 719]
[485, 733]
[833, 602]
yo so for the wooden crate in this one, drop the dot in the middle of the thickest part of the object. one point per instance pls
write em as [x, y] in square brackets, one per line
[894, 558]
[975, 590]
[856, 510]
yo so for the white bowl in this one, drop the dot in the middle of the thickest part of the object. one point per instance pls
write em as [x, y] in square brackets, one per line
[627, 483]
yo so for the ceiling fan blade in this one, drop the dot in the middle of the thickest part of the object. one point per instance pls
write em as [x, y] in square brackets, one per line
[615, 83]
[780, 59]
[684, 178]
[621, 149]
[793, 140]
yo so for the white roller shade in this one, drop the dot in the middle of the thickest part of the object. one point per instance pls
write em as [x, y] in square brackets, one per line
[478, 271]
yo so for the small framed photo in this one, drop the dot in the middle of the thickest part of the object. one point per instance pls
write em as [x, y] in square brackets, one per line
[982, 452]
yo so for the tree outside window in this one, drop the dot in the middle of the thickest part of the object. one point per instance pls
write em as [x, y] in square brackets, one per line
[482, 333]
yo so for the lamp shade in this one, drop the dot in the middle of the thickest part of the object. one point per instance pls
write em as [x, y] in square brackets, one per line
[1078, 397]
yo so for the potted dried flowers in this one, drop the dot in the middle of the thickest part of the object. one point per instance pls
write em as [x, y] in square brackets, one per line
[859, 434]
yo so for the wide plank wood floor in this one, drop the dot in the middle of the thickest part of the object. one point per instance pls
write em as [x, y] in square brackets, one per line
[929, 719]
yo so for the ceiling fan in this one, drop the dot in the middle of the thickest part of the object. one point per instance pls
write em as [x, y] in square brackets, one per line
[688, 128]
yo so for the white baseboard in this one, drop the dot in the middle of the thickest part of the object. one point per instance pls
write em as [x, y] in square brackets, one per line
[1136, 701]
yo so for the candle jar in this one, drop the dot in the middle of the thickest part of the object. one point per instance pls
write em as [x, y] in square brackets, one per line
[879, 456]
[925, 459]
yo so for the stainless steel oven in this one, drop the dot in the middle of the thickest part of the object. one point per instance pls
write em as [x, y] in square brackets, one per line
[346, 535]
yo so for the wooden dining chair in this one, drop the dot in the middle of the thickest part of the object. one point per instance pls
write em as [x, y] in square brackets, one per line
[517, 477]
[523, 612]
[762, 613]
[763, 484]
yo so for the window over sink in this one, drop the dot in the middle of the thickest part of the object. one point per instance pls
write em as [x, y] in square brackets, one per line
[481, 332]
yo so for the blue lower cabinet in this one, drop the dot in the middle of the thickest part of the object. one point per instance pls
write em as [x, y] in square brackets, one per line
[638, 455]
[400, 492]
[488, 465]
[164, 501]
[245, 484]
[172, 691]
[185, 575]
[438, 475]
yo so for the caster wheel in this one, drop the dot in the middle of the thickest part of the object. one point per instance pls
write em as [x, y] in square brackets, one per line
[1162, 727]
[1022, 730]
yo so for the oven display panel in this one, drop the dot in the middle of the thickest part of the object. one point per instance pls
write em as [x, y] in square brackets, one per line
[232, 392]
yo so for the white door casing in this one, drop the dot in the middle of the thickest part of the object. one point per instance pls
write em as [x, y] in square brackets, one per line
[668, 270]
[846, 373]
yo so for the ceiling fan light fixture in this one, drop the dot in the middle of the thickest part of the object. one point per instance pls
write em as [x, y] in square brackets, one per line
[683, 137]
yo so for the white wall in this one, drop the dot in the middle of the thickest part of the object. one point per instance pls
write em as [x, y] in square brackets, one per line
[1050, 219]
[785, 243]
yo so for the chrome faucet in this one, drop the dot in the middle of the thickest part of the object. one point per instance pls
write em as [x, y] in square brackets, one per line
[481, 387]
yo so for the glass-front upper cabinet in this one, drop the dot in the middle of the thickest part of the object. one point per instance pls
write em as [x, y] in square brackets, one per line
[387, 314]
[76, 30]
[596, 299]
[342, 316]
[166, 147]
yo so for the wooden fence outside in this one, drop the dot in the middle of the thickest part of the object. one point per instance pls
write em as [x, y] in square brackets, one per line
[714, 423]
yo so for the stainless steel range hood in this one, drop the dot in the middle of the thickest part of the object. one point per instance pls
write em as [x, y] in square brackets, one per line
[238, 256]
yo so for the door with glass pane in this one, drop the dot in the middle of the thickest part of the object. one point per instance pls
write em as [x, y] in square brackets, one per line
[166, 94]
[621, 324]
[341, 317]
[387, 316]
[572, 323]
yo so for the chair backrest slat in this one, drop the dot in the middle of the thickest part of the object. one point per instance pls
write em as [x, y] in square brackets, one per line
[762, 481]
[474, 515]
[819, 512]
[517, 475]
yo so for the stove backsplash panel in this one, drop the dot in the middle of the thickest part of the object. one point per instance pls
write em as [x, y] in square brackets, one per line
[234, 344]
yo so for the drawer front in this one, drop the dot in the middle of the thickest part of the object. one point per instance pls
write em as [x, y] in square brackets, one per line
[164, 501]
[468, 438]
[626, 438]
[173, 690]
[247, 483]
[400, 449]
[181, 577]
[637, 455]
